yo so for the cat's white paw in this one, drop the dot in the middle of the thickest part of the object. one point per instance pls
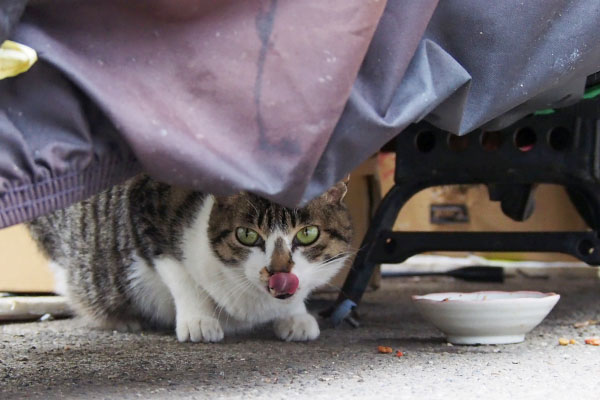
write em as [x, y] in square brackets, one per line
[198, 329]
[300, 327]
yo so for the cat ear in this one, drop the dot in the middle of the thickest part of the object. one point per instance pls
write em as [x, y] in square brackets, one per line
[336, 193]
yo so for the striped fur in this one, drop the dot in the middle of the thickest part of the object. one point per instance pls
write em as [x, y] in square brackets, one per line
[97, 239]
[107, 248]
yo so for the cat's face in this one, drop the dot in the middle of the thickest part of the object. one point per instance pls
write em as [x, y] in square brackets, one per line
[282, 253]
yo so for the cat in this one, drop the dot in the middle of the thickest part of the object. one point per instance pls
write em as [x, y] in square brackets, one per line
[146, 254]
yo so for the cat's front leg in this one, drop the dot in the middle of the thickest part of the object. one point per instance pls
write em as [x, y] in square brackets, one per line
[299, 326]
[194, 309]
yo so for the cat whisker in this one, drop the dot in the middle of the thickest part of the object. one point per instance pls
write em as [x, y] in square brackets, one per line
[337, 257]
[254, 207]
[242, 290]
[333, 286]
[239, 284]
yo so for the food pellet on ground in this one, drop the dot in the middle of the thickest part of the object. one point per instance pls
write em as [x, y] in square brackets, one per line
[593, 341]
[384, 349]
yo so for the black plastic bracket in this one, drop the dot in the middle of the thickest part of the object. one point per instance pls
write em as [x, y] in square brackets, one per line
[560, 148]
[394, 247]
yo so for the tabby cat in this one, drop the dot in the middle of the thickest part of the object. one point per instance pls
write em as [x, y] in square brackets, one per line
[146, 254]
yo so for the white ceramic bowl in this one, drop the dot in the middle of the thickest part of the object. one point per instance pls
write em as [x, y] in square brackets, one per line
[486, 317]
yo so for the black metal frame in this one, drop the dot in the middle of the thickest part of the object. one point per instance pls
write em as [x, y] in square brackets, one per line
[560, 148]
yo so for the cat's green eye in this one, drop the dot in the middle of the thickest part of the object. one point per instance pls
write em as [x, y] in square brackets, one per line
[246, 236]
[307, 235]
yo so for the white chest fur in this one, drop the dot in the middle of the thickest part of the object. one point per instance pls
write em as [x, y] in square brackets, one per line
[240, 303]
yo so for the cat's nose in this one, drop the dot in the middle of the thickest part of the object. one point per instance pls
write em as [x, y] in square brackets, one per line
[275, 268]
[281, 258]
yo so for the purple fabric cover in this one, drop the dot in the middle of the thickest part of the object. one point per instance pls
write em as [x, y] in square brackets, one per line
[278, 97]
[220, 96]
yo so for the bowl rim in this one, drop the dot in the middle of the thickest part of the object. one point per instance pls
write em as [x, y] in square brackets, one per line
[545, 295]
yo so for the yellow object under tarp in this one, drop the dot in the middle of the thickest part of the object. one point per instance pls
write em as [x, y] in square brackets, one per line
[15, 58]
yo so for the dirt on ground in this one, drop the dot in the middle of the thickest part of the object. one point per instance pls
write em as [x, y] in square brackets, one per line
[65, 359]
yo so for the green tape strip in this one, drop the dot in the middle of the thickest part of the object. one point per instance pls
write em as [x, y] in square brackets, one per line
[592, 92]
[547, 111]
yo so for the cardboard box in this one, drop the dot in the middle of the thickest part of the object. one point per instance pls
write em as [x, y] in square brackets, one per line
[23, 268]
[363, 197]
[468, 208]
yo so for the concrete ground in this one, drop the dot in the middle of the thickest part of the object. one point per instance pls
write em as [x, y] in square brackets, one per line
[62, 359]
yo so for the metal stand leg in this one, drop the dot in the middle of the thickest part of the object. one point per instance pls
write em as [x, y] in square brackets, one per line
[561, 148]
[362, 268]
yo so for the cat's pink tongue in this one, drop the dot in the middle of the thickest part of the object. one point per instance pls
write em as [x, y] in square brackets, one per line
[284, 283]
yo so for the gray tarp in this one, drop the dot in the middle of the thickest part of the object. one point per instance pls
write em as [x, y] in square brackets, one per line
[278, 97]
